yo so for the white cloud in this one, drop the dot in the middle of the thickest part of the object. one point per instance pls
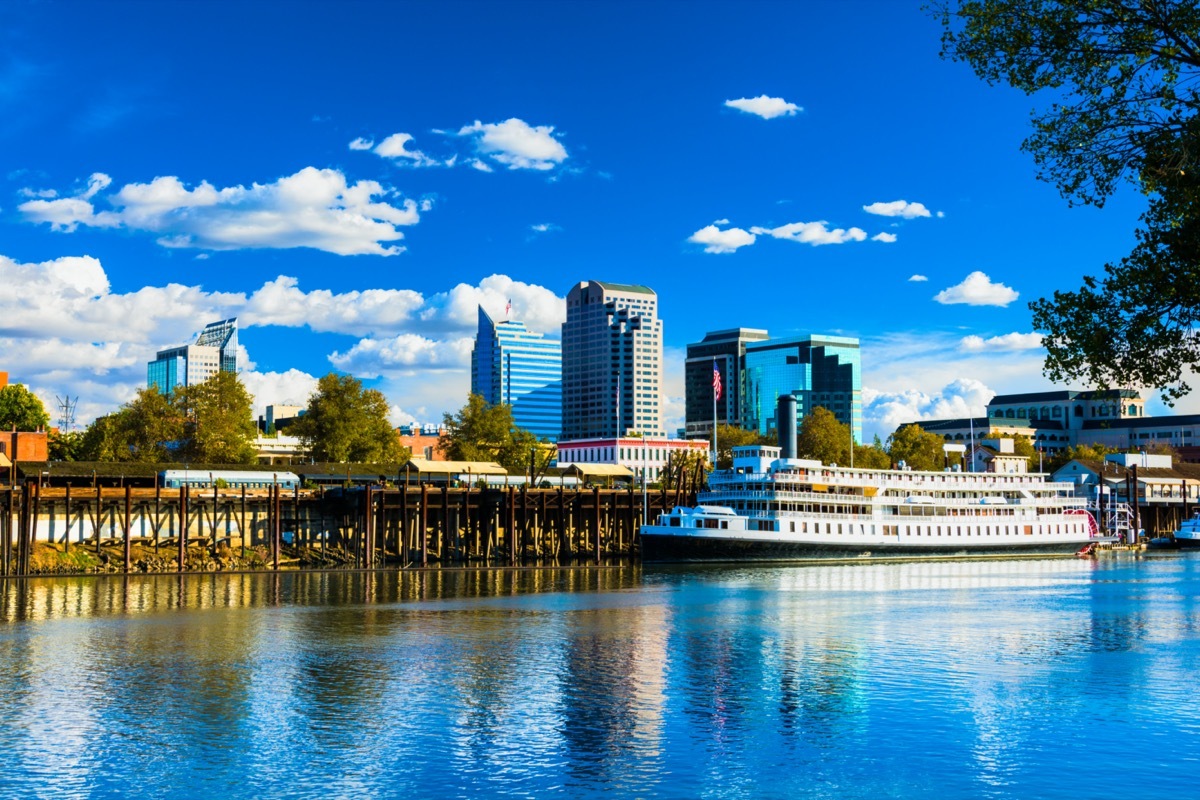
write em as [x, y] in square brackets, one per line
[674, 401]
[63, 330]
[516, 144]
[312, 208]
[358, 313]
[765, 107]
[964, 397]
[539, 308]
[898, 208]
[814, 233]
[404, 355]
[918, 279]
[1009, 341]
[291, 387]
[977, 289]
[716, 240]
[362, 144]
[908, 376]
[395, 147]
[544, 227]
[887, 238]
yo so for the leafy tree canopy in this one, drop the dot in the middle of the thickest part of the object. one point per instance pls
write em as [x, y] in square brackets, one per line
[917, 448]
[1086, 452]
[344, 422]
[1126, 78]
[21, 408]
[147, 430]
[66, 446]
[824, 438]
[218, 424]
[481, 431]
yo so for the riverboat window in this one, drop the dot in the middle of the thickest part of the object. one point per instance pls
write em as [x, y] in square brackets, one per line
[839, 529]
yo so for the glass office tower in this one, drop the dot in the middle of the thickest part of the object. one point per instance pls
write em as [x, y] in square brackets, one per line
[511, 364]
[818, 370]
[215, 350]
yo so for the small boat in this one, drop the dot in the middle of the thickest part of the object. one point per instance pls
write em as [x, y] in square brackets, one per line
[1188, 534]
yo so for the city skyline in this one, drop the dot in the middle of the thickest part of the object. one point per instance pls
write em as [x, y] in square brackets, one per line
[824, 172]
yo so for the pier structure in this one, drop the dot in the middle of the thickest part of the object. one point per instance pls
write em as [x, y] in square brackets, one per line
[128, 529]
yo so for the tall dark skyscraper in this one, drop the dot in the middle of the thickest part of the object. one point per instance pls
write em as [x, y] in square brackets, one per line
[726, 349]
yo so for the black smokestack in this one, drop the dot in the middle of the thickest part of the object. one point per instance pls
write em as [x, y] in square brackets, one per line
[785, 424]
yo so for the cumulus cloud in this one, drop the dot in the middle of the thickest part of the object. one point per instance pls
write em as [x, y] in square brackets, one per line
[1009, 341]
[813, 233]
[898, 208]
[315, 208]
[964, 397]
[716, 240]
[918, 279]
[544, 227]
[977, 289]
[515, 144]
[404, 355]
[63, 330]
[395, 147]
[765, 107]
[884, 237]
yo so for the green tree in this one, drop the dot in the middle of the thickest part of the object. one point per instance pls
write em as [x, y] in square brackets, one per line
[65, 446]
[218, 425]
[1082, 451]
[1126, 81]
[147, 429]
[824, 438]
[22, 409]
[344, 422]
[871, 456]
[482, 431]
[917, 448]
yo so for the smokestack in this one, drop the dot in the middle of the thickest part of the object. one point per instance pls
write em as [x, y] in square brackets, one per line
[785, 424]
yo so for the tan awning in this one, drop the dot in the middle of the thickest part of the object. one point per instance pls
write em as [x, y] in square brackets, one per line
[4, 462]
[428, 467]
[599, 470]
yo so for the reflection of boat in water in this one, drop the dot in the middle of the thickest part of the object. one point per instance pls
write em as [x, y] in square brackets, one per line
[772, 508]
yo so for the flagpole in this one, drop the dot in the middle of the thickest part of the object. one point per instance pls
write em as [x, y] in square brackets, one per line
[716, 391]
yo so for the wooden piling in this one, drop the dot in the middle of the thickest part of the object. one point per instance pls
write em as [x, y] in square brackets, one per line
[128, 522]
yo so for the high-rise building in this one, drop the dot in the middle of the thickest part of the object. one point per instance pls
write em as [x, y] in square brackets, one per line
[512, 365]
[612, 362]
[725, 349]
[215, 350]
[818, 370]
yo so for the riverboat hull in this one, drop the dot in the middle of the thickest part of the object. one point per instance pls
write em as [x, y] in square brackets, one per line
[661, 545]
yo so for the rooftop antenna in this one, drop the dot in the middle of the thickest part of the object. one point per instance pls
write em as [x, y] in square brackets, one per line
[66, 412]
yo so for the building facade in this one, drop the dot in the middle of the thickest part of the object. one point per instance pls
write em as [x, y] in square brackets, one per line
[823, 371]
[636, 454]
[1056, 420]
[724, 350]
[611, 362]
[511, 364]
[215, 350]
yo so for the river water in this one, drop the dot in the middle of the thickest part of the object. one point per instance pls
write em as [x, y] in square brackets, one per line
[1038, 678]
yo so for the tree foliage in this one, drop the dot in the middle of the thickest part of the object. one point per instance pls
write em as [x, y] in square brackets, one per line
[344, 422]
[481, 431]
[686, 468]
[917, 448]
[22, 409]
[824, 438]
[1128, 75]
[65, 446]
[1085, 452]
[218, 424]
[147, 429]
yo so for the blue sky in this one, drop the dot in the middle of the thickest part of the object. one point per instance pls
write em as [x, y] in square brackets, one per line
[351, 179]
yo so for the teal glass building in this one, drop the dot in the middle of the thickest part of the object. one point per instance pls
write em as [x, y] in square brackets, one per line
[821, 371]
[215, 350]
[511, 364]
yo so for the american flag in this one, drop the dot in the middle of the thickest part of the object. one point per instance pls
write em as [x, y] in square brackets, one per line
[508, 308]
[716, 381]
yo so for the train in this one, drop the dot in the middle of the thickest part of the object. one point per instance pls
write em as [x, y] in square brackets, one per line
[228, 478]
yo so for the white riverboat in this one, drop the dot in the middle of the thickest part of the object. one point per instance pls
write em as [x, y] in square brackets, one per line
[1188, 534]
[772, 508]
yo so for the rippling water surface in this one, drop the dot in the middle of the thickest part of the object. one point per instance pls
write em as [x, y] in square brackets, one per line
[1064, 678]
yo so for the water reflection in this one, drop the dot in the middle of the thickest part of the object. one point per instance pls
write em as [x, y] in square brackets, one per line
[968, 679]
